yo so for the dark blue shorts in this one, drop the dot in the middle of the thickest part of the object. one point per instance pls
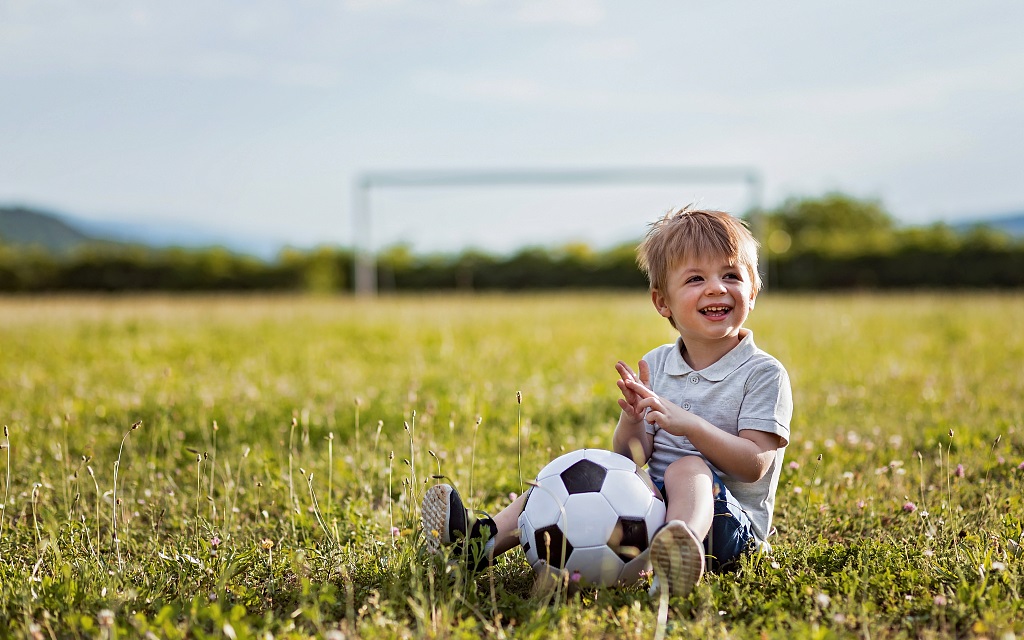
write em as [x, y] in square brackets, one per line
[730, 535]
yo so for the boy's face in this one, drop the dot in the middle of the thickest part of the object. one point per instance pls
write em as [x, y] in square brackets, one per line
[707, 299]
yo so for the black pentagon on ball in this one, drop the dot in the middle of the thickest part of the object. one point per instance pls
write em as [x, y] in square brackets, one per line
[584, 476]
[629, 538]
[550, 542]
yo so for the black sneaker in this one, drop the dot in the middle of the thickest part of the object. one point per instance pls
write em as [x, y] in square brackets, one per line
[446, 521]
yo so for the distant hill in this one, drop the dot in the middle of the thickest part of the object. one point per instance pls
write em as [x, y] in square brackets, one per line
[60, 234]
[1011, 224]
[167, 233]
[21, 226]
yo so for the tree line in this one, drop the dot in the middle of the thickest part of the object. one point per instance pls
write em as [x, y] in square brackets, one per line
[831, 242]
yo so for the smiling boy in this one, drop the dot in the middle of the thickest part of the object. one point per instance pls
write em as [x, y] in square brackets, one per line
[710, 412]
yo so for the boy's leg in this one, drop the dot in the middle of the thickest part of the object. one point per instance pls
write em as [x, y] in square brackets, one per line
[689, 486]
[677, 549]
[507, 521]
[446, 521]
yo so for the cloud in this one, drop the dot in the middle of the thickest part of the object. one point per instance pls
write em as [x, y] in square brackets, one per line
[580, 13]
[617, 48]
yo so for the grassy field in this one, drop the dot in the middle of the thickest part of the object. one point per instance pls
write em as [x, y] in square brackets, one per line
[252, 467]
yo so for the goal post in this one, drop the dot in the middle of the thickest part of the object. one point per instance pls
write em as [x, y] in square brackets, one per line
[365, 264]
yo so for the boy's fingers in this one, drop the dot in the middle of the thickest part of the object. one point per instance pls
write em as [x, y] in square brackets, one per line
[640, 389]
[645, 373]
[624, 371]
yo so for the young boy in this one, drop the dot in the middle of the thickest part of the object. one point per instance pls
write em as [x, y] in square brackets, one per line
[709, 414]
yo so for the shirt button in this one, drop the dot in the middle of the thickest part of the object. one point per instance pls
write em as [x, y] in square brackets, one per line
[694, 379]
[686, 405]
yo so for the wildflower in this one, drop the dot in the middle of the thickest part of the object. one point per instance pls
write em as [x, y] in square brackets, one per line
[861, 504]
[940, 600]
[959, 471]
[395, 532]
[106, 618]
[909, 507]
[267, 544]
[794, 465]
[798, 490]
[512, 496]
[575, 577]
[928, 553]
[998, 566]
[1021, 466]
[214, 542]
[822, 600]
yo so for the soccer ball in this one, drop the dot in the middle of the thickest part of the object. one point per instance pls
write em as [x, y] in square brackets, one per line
[592, 513]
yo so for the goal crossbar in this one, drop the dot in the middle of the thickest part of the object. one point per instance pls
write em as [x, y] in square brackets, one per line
[365, 259]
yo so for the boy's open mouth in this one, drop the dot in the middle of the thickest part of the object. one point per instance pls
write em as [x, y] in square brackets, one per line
[715, 311]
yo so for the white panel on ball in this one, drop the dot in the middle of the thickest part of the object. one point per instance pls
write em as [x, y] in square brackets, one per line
[590, 520]
[655, 517]
[630, 499]
[596, 565]
[545, 503]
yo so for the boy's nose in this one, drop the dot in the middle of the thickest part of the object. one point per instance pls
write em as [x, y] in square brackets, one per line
[716, 287]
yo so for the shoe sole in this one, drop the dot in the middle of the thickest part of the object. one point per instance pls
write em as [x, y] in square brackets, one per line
[437, 513]
[677, 558]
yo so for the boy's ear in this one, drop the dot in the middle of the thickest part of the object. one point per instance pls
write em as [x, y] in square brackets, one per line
[661, 303]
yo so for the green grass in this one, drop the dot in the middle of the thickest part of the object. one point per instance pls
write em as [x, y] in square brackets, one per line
[273, 485]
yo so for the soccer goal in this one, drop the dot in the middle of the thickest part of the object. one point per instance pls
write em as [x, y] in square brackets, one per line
[380, 182]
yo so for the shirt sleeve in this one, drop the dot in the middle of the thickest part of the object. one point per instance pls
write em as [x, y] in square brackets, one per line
[767, 401]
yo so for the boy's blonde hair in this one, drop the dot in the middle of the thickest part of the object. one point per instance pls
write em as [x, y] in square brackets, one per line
[688, 233]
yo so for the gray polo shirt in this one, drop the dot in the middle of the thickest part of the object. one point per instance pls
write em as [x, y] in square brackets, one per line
[745, 389]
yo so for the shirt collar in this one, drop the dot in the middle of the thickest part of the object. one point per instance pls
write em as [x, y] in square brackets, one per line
[719, 370]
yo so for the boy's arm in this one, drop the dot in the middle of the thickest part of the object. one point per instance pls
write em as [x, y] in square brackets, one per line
[746, 457]
[631, 438]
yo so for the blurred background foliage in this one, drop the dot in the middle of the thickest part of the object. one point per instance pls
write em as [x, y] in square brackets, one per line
[829, 242]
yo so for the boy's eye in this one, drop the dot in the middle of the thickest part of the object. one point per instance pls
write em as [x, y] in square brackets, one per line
[694, 279]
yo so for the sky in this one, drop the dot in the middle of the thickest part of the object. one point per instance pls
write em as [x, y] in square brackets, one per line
[257, 118]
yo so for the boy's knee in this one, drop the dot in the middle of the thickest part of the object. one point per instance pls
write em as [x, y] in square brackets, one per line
[687, 467]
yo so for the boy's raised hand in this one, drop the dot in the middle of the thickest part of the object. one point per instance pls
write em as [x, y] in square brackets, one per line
[649, 406]
[628, 384]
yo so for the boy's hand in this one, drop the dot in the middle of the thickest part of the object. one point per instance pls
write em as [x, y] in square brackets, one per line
[652, 408]
[630, 398]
